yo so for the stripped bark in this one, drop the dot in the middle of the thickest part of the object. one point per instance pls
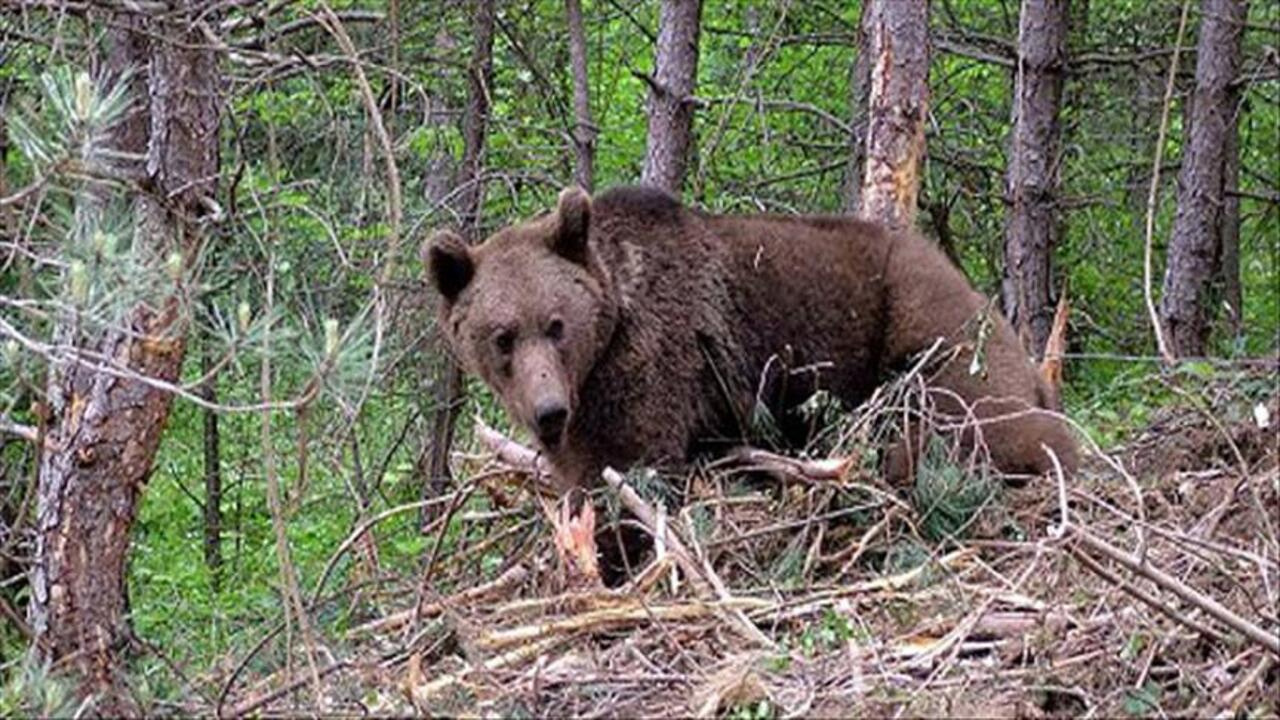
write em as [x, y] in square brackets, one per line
[671, 90]
[584, 131]
[104, 430]
[897, 107]
[1031, 181]
[475, 128]
[1185, 307]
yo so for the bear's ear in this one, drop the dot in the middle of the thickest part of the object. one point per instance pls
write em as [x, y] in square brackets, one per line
[574, 211]
[449, 262]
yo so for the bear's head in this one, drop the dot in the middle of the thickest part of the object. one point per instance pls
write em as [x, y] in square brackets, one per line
[529, 311]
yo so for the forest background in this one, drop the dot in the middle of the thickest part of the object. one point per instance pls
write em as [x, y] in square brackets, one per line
[218, 348]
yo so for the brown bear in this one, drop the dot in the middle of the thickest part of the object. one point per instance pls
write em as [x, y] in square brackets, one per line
[630, 329]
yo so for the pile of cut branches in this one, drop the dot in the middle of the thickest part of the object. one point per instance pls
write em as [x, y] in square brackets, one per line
[780, 586]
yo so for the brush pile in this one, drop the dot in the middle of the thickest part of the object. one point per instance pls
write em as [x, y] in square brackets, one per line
[777, 586]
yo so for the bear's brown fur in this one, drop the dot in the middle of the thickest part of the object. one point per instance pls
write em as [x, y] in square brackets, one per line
[628, 328]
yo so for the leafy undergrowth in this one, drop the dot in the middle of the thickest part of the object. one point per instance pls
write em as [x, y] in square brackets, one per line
[811, 588]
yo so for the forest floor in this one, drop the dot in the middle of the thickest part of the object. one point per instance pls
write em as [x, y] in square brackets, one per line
[1147, 585]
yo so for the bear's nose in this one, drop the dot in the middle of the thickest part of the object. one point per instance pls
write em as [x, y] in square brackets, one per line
[550, 417]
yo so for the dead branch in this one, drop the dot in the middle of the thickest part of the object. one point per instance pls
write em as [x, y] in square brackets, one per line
[1145, 597]
[500, 585]
[634, 611]
[649, 517]
[815, 469]
[25, 432]
[1177, 587]
[253, 704]
[518, 456]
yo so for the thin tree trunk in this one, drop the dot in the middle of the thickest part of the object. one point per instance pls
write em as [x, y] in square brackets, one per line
[897, 107]
[584, 131]
[1229, 234]
[104, 430]
[212, 467]
[860, 89]
[393, 82]
[1185, 307]
[475, 124]
[438, 176]
[1031, 180]
[670, 95]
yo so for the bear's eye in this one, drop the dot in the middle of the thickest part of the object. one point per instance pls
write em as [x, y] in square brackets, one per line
[555, 330]
[505, 341]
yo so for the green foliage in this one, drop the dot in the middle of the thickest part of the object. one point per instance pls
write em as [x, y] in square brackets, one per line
[1143, 701]
[29, 690]
[762, 710]
[68, 130]
[903, 556]
[947, 497]
[832, 632]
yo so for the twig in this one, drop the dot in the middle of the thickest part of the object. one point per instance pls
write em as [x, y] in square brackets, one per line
[1144, 597]
[359, 532]
[244, 663]
[293, 598]
[635, 611]
[511, 578]
[422, 695]
[251, 705]
[26, 432]
[817, 469]
[648, 517]
[333, 24]
[1154, 192]
[98, 363]
[1177, 587]
[732, 614]
[513, 453]
[459, 497]
[1233, 703]
[339, 32]
[801, 606]
[1065, 524]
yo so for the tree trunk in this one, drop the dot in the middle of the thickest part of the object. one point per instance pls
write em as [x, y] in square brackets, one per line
[212, 467]
[103, 429]
[897, 107]
[670, 95]
[1185, 307]
[584, 131]
[1031, 181]
[1229, 233]
[475, 125]
[860, 88]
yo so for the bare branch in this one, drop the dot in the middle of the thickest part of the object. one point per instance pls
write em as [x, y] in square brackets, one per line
[26, 432]
[1154, 193]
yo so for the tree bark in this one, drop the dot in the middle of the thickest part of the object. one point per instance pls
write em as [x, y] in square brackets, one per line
[104, 430]
[475, 123]
[897, 107]
[670, 95]
[1031, 180]
[860, 88]
[1185, 307]
[584, 131]
[1229, 233]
